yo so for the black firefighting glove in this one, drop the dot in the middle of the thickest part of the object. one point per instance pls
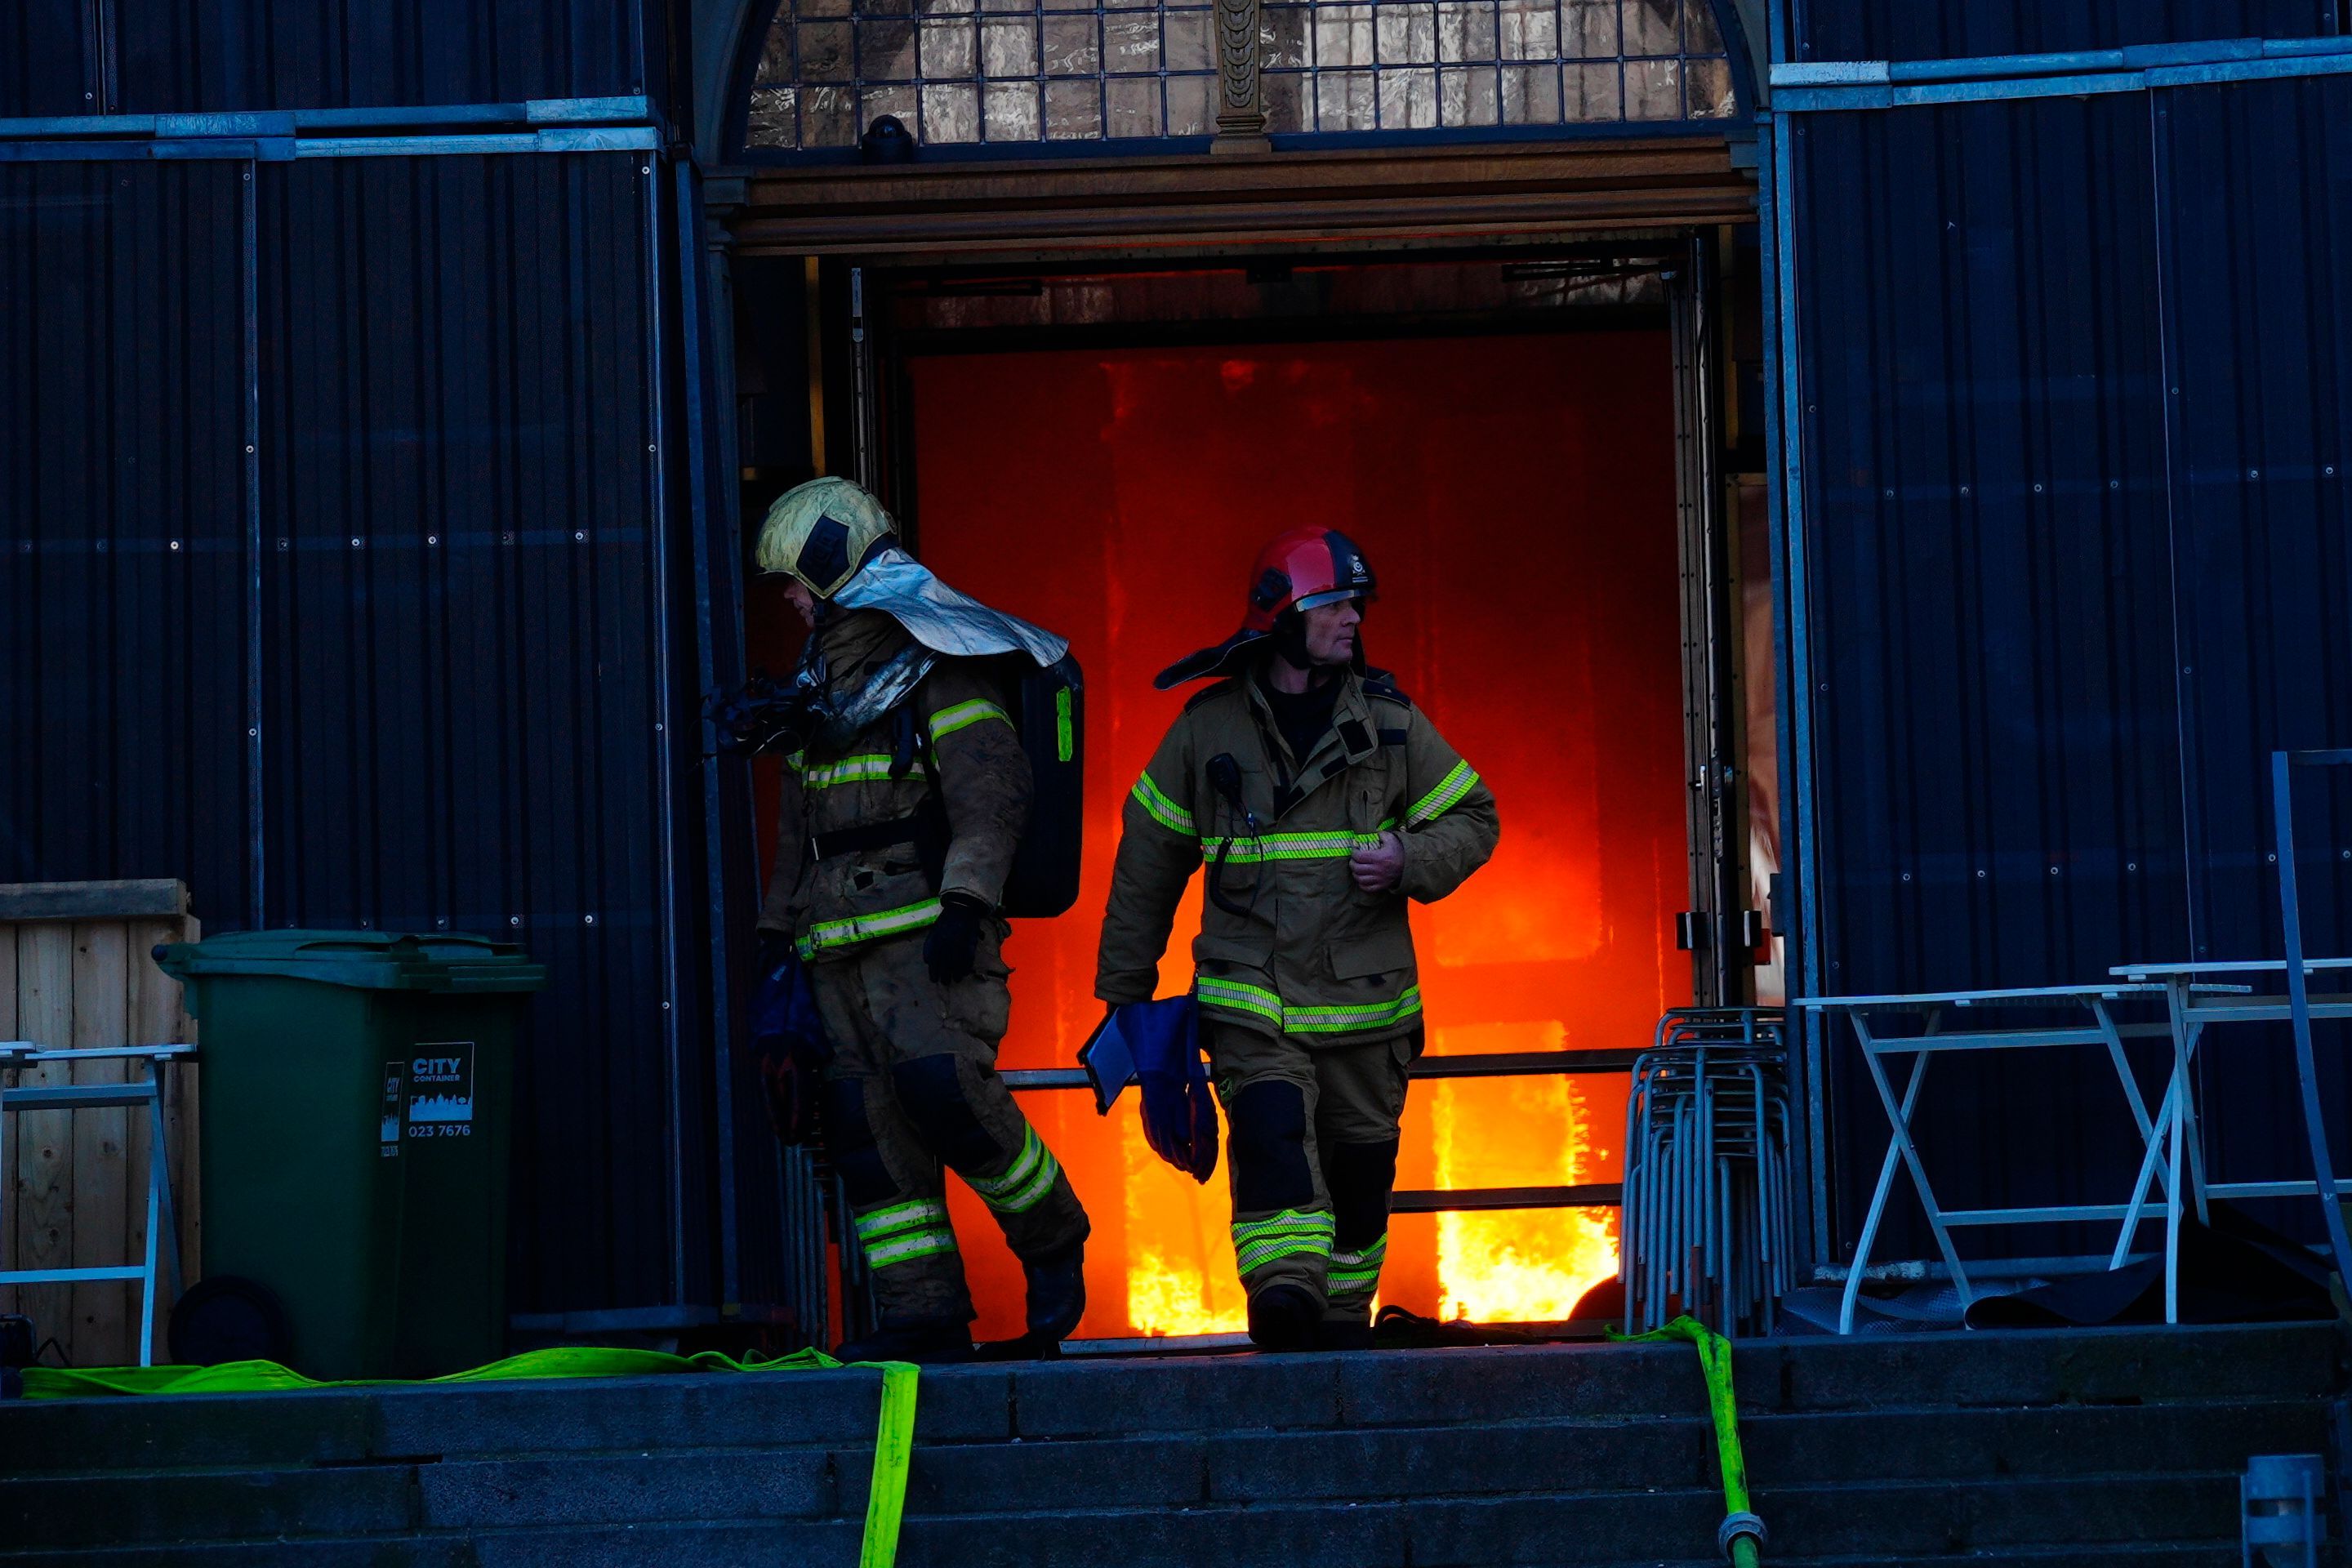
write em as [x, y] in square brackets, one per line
[949, 949]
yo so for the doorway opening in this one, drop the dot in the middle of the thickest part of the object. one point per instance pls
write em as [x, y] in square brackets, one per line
[1511, 441]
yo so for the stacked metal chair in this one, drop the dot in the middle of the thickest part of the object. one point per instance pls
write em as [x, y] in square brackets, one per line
[1709, 1224]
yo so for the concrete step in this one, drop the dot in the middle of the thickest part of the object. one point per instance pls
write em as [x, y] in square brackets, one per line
[1470, 1386]
[718, 1547]
[1263, 1469]
[1865, 1522]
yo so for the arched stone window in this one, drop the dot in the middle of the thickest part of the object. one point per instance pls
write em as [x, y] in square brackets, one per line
[977, 72]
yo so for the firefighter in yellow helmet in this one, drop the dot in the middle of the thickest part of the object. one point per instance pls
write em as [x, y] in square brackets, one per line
[1320, 800]
[897, 827]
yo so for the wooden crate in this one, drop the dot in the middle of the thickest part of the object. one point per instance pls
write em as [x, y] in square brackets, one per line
[77, 970]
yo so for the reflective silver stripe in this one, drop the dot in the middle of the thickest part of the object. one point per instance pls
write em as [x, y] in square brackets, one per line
[1296, 846]
[1344, 1020]
[909, 1247]
[865, 928]
[900, 1216]
[849, 770]
[1446, 796]
[1163, 810]
[1357, 1273]
[1239, 996]
[1026, 1181]
[1291, 1233]
[963, 715]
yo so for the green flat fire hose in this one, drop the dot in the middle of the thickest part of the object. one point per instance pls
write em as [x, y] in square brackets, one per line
[894, 1437]
[1741, 1537]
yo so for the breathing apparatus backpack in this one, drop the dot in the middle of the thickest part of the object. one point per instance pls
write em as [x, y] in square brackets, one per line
[1047, 707]
[1048, 711]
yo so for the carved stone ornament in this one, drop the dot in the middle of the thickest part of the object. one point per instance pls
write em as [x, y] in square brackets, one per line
[1241, 111]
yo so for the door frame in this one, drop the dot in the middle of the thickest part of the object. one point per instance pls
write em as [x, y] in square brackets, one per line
[862, 369]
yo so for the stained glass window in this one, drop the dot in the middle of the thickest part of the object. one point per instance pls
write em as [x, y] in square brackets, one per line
[966, 72]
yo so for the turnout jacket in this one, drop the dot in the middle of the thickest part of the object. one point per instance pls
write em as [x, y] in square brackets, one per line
[831, 899]
[1315, 956]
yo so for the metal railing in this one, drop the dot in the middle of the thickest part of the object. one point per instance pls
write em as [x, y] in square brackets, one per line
[1451, 1200]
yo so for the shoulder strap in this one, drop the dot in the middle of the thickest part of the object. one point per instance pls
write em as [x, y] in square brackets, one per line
[1207, 693]
[1380, 685]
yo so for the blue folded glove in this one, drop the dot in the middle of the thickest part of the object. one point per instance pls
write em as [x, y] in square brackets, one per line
[788, 1043]
[1157, 1046]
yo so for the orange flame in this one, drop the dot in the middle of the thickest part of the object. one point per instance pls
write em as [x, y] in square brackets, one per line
[1532, 1265]
[1117, 495]
[1180, 1255]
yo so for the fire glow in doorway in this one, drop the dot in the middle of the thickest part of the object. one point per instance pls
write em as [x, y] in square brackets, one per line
[1516, 495]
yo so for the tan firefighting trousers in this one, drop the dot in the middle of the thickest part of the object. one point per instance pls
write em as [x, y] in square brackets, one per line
[1312, 1158]
[912, 1092]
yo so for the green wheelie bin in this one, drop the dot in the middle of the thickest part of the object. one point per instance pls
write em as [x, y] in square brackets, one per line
[356, 1110]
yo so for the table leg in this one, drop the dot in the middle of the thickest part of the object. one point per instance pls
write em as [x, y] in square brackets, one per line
[1911, 1155]
[1898, 1152]
[2148, 1165]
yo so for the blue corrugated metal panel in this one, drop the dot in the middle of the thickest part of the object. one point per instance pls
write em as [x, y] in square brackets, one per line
[195, 55]
[151, 56]
[461, 594]
[122, 527]
[445, 536]
[41, 59]
[2257, 182]
[1996, 743]
[2075, 390]
[1905, 30]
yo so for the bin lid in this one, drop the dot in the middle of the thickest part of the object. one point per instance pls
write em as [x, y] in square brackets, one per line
[363, 959]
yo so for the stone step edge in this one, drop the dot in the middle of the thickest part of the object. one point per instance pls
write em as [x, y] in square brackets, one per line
[1598, 1425]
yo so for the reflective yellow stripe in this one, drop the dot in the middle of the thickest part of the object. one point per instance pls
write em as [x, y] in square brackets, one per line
[1296, 846]
[1240, 996]
[1026, 1181]
[1355, 1273]
[1444, 797]
[849, 770]
[865, 928]
[1165, 812]
[914, 1213]
[1291, 1233]
[910, 1246]
[963, 715]
[1345, 1020]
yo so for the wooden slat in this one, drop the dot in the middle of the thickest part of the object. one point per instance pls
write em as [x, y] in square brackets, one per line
[103, 1313]
[156, 897]
[44, 1138]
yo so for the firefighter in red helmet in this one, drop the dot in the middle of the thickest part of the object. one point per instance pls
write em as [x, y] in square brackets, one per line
[1320, 800]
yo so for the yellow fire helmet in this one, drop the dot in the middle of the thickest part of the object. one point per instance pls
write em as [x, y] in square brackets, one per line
[822, 532]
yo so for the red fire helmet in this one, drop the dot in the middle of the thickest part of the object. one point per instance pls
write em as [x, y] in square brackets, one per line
[1299, 570]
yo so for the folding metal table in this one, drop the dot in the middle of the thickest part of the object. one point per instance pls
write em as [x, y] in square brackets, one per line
[2092, 1023]
[2195, 1004]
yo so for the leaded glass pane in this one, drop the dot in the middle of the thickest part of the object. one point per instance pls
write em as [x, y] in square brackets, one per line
[969, 71]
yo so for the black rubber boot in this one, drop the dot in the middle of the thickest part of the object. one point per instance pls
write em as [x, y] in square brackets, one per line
[1058, 1293]
[930, 1344]
[1284, 1317]
[1057, 1299]
[1345, 1334]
